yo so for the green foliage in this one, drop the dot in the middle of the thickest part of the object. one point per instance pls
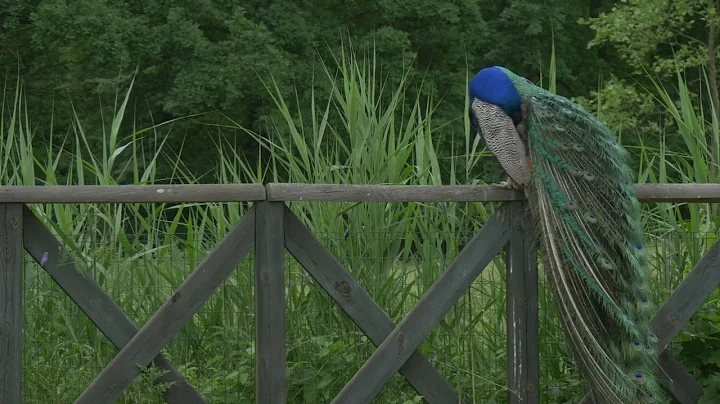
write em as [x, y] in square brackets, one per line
[522, 34]
[610, 104]
[657, 35]
[140, 253]
[232, 92]
[690, 228]
[657, 40]
[362, 131]
[206, 59]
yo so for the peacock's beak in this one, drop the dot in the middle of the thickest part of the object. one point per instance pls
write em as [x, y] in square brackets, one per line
[473, 121]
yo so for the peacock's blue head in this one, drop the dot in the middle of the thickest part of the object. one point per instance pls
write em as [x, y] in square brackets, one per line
[493, 86]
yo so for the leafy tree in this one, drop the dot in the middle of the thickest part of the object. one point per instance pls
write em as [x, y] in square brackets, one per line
[662, 37]
[199, 57]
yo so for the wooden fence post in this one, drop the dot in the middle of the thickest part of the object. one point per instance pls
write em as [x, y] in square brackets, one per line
[270, 303]
[523, 352]
[11, 254]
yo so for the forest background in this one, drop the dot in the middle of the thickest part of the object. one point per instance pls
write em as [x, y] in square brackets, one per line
[205, 61]
[227, 91]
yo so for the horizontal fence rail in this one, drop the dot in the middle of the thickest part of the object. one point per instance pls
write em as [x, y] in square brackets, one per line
[269, 228]
[132, 193]
[278, 192]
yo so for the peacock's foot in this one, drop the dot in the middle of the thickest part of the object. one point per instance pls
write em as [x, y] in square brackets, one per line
[509, 184]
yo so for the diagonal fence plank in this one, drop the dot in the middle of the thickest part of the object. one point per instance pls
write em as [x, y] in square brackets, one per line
[688, 297]
[11, 266]
[92, 300]
[361, 308]
[270, 303]
[672, 317]
[439, 299]
[173, 314]
[679, 382]
[676, 378]
[521, 313]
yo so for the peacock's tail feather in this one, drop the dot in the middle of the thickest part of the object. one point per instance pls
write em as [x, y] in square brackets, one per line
[587, 218]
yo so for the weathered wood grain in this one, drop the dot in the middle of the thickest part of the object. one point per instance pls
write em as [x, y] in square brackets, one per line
[315, 192]
[107, 316]
[688, 297]
[361, 308]
[173, 314]
[694, 193]
[388, 193]
[439, 299]
[523, 354]
[11, 259]
[132, 193]
[464, 193]
[270, 303]
[678, 380]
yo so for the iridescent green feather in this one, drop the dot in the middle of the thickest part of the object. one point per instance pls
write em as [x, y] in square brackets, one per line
[587, 217]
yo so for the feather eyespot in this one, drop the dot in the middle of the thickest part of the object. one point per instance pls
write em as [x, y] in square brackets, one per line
[637, 345]
[653, 337]
[606, 264]
[578, 147]
[590, 217]
[639, 248]
[649, 349]
[650, 398]
[575, 172]
[588, 176]
[638, 377]
[571, 206]
[558, 127]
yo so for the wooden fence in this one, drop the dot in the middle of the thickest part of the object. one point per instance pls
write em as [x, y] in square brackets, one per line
[270, 228]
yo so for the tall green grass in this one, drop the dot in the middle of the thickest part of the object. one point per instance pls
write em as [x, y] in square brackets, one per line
[362, 131]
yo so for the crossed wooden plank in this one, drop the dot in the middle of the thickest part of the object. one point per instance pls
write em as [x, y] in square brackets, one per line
[401, 343]
[675, 313]
[173, 314]
[397, 346]
[270, 305]
[107, 316]
[393, 352]
[362, 309]
[141, 347]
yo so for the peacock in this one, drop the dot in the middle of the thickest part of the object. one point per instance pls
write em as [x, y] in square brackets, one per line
[585, 215]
